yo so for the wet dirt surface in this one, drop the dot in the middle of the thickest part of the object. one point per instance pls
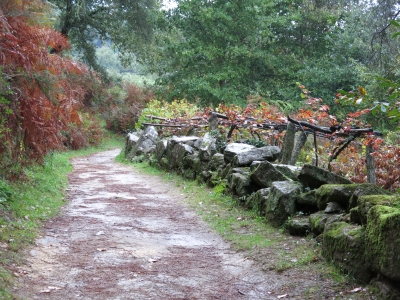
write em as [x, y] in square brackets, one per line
[125, 235]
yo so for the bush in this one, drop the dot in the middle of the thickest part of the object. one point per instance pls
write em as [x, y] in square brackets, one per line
[124, 105]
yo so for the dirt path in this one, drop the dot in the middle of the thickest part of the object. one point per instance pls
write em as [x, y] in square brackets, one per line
[128, 236]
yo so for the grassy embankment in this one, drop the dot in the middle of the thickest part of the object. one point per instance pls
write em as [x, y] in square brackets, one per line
[27, 204]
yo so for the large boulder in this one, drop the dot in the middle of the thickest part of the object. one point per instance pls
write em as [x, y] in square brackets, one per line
[292, 172]
[161, 147]
[281, 201]
[217, 162]
[313, 177]
[299, 226]
[207, 147]
[240, 184]
[307, 202]
[258, 200]
[382, 241]
[178, 154]
[365, 203]
[175, 140]
[365, 189]
[131, 141]
[321, 219]
[198, 165]
[265, 174]
[340, 193]
[245, 158]
[318, 221]
[146, 142]
[233, 149]
[141, 142]
[345, 245]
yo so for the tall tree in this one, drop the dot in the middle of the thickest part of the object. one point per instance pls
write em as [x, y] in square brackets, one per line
[126, 23]
[222, 51]
[40, 93]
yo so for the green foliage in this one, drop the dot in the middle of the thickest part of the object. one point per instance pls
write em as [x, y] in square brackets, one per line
[128, 24]
[5, 191]
[257, 142]
[170, 110]
[220, 188]
[220, 52]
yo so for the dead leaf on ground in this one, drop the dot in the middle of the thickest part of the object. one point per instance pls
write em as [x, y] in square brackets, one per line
[152, 260]
[356, 290]
[101, 249]
[282, 296]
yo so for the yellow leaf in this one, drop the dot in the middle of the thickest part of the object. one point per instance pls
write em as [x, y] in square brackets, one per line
[362, 90]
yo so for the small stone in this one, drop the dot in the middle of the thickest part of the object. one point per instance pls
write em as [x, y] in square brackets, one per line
[333, 208]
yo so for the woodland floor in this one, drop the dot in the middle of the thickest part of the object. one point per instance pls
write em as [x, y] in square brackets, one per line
[125, 235]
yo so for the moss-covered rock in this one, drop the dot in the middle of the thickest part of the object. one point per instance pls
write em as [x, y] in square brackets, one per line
[217, 162]
[307, 202]
[189, 174]
[364, 204]
[164, 164]
[313, 177]
[365, 189]
[340, 193]
[225, 172]
[198, 165]
[383, 241]
[240, 184]
[355, 216]
[344, 244]
[281, 201]
[258, 199]
[317, 222]
[291, 172]
[265, 174]
[299, 226]
[214, 179]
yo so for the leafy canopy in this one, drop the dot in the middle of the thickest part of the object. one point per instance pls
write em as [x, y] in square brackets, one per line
[126, 23]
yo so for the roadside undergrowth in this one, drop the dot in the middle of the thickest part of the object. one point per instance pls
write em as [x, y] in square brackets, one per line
[27, 204]
[271, 247]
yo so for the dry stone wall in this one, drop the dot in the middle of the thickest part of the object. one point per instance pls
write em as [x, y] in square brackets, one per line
[358, 224]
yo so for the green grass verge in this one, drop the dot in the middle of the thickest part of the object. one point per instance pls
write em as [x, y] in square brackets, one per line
[26, 204]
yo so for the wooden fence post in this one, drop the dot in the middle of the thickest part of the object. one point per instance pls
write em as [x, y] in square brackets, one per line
[371, 177]
[288, 143]
[299, 145]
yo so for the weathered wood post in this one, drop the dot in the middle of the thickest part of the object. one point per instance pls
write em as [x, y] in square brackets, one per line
[301, 140]
[371, 177]
[288, 143]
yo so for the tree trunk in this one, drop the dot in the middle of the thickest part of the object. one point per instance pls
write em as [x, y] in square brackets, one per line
[299, 145]
[370, 166]
[288, 143]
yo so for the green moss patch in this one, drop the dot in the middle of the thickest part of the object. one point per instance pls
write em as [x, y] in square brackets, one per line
[383, 240]
[344, 244]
